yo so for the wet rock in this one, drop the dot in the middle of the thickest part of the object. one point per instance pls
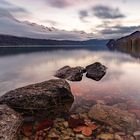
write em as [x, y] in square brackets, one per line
[137, 135]
[129, 137]
[65, 123]
[116, 118]
[49, 98]
[101, 102]
[106, 136]
[27, 130]
[82, 137]
[114, 100]
[122, 106]
[10, 122]
[136, 112]
[71, 74]
[96, 71]
[120, 133]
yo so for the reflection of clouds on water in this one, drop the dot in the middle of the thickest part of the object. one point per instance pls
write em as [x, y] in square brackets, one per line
[122, 74]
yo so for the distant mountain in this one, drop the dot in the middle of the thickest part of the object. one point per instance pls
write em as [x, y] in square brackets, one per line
[13, 40]
[15, 32]
[11, 26]
[129, 44]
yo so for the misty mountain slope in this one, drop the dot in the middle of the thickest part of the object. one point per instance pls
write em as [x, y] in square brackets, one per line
[10, 26]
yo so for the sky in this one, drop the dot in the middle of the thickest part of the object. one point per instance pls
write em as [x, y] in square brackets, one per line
[103, 18]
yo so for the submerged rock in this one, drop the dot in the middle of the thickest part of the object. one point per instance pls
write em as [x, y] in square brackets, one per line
[122, 106]
[48, 98]
[96, 71]
[106, 136]
[71, 74]
[10, 122]
[118, 119]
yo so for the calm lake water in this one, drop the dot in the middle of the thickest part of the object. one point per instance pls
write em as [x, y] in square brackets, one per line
[20, 68]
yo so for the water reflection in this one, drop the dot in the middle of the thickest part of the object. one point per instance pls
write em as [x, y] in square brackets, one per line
[122, 78]
[132, 50]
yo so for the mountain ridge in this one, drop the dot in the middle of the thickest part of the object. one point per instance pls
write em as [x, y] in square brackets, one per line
[15, 40]
[9, 25]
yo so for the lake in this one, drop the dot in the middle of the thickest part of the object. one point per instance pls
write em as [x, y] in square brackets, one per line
[23, 66]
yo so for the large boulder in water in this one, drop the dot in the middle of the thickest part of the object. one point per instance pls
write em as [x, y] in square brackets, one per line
[10, 122]
[48, 98]
[70, 73]
[116, 118]
[96, 71]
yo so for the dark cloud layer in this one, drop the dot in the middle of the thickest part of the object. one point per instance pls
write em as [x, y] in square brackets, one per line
[120, 29]
[106, 12]
[83, 14]
[102, 12]
[8, 7]
[65, 3]
[4, 3]
[59, 3]
[5, 13]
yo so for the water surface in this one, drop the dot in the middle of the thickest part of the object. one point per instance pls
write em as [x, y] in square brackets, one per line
[27, 67]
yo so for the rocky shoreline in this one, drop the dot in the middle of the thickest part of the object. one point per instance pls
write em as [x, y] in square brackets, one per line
[86, 126]
[10, 123]
[44, 111]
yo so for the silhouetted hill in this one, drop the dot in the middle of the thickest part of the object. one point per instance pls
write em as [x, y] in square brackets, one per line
[130, 41]
[129, 44]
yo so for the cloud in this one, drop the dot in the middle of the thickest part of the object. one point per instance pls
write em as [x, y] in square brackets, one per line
[9, 7]
[5, 13]
[106, 12]
[114, 29]
[51, 22]
[83, 14]
[118, 31]
[4, 3]
[65, 3]
[59, 3]
[18, 10]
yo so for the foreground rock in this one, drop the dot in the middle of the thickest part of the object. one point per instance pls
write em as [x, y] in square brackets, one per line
[48, 98]
[96, 71]
[10, 122]
[71, 74]
[116, 118]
